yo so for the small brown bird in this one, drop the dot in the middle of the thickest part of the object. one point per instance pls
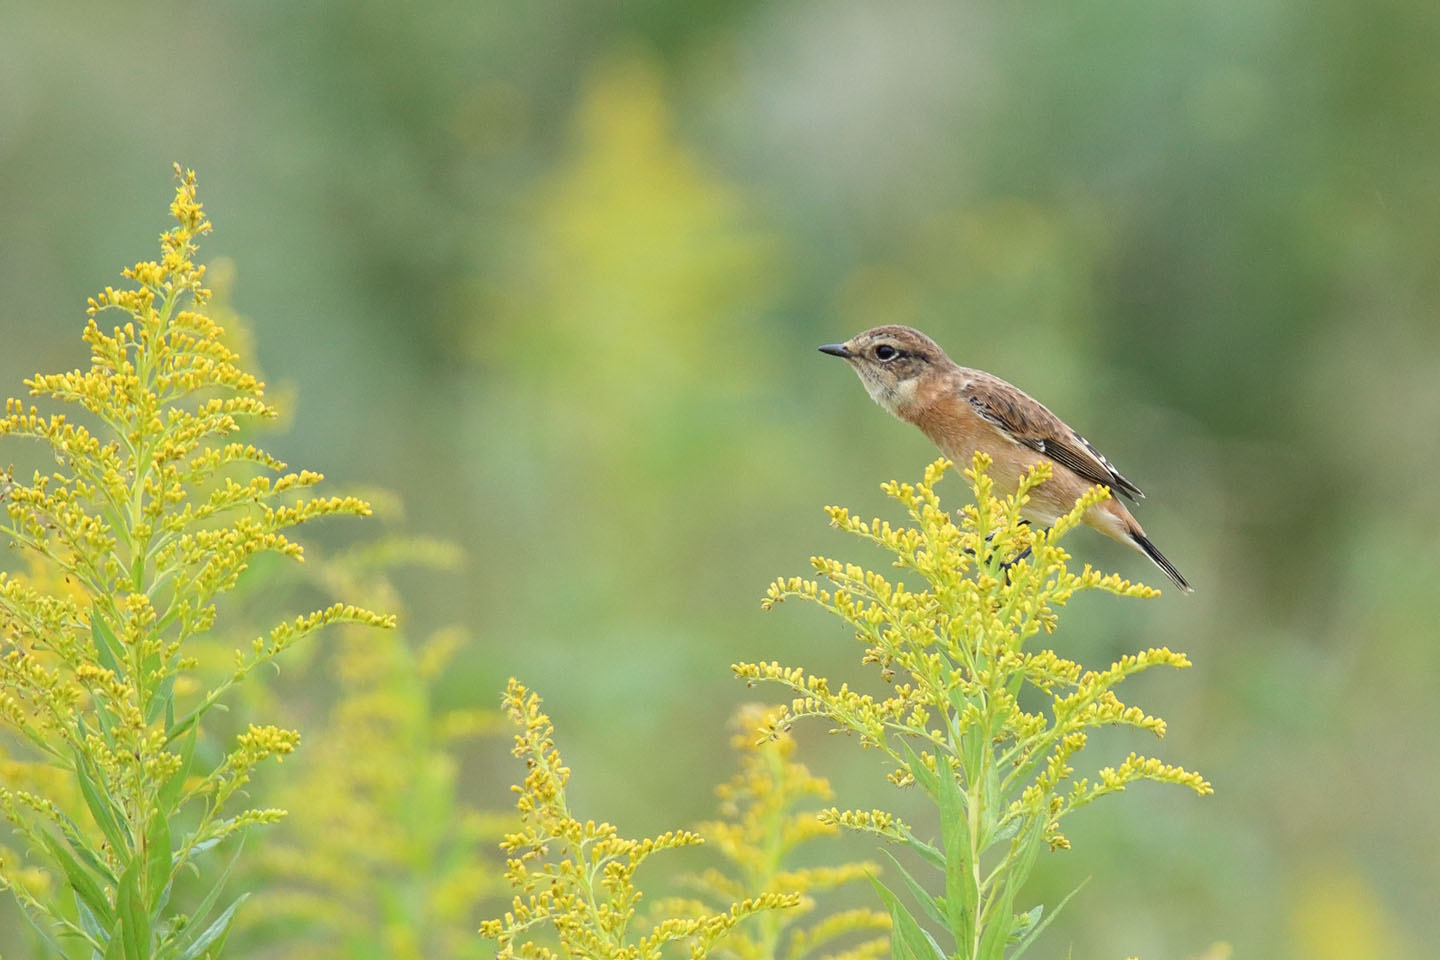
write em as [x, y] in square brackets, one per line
[963, 410]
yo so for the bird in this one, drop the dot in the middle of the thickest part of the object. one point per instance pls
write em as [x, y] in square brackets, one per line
[963, 410]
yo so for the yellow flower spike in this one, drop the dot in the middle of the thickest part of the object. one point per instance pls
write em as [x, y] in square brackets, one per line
[130, 538]
[957, 654]
[583, 888]
[770, 811]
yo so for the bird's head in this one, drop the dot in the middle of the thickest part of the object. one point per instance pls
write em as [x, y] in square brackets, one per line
[893, 362]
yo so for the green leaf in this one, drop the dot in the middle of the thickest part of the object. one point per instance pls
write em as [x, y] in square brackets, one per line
[107, 647]
[149, 667]
[158, 861]
[1029, 918]
[102, 717]
[989, 813]
[186, 723]
[1015, 683]
[182, 726]
[163, 700]
[44, 934]
[214, 932]
[1000, 920]
[908, 941]
[930, 902]
[87, 920]
[962, 896]
[81, 881]
[116, 948]
[134, 917]
[1037, 928]
[972, 747]
[1005, 831]
[208, 903]
[918, 770]
[101, 809]
[198, 848]
[1028, 849]
[998, 926]
[80, 848]
[169, 794]
[927, 852]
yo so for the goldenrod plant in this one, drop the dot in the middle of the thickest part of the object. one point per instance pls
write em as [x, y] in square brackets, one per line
[984, 723]
[574, 881]
[379, 858]
[769, 811]
[142, 520]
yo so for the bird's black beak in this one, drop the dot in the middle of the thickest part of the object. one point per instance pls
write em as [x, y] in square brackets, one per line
[836, 350]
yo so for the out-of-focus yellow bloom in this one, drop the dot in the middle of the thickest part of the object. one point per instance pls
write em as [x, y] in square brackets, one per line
[575, 882]
[379, 856]
[1335, 914]
[768, 812]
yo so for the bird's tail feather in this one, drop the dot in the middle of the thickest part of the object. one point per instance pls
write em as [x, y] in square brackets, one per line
[1143, 542]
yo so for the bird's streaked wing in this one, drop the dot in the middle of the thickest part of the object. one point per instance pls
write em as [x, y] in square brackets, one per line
[1025, 420]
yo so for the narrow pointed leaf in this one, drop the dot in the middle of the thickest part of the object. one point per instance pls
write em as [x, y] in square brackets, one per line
[134, 918]
[1029, 918]
[908, 941]
[79, 846]
[1038, 928]
[1024, 851]
[44, 934]
[157, 861]
[81, 880]
[107, 647]
[100, 808]
[163, 700]
[214, 932]
[926, 900]
[928, 852]
[1000, 915]
[116, 948]
[87, 920]
[1005, 830]
[990, 813]
[208, 903]
[962, 894]
[972, 746]
[170, 793]
[918, 770]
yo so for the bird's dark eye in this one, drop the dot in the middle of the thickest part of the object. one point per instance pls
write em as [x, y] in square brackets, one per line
[886, 352]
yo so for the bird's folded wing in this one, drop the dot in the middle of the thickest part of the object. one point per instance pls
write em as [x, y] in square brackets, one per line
[1027, 421]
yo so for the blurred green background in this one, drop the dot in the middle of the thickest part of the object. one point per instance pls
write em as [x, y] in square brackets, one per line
[555, 272]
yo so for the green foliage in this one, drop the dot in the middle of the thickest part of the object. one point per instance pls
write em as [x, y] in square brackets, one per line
[577, 878]
[768, 813]
[957, 722]
[130, 540]
[379, 857]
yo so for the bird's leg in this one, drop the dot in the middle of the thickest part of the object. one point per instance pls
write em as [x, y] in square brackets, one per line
[1007, 564]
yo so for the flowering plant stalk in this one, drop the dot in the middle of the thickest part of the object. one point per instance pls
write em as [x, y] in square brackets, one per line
[575, 890]
[381, 857]
[768, 815]
[957, 721]
[111, 779]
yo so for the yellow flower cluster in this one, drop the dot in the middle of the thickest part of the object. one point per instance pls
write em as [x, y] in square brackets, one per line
[953, 648]
[379, 854]
[575, 881]
[131, 535]
[768, 814]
